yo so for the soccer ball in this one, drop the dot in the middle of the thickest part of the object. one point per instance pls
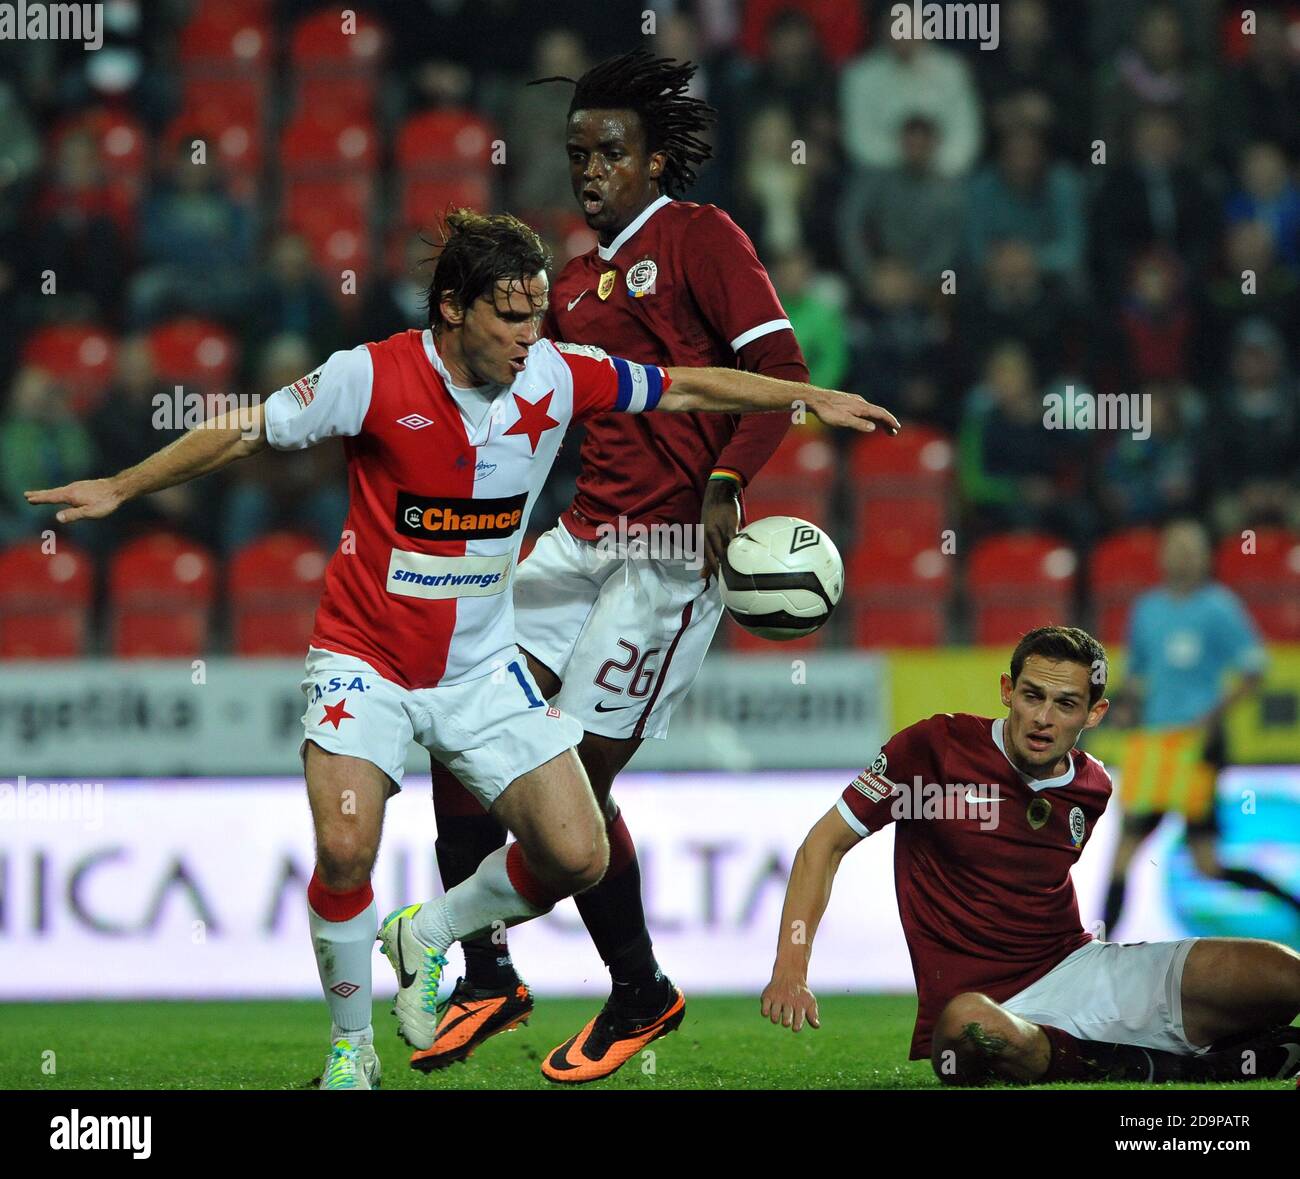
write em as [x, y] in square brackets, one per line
[781, 577]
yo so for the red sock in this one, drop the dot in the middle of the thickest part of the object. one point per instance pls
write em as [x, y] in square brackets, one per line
[525, 882]
[337, 906]
[622, 851]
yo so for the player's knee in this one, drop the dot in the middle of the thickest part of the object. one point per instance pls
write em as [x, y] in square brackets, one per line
[967, 1023]
[574, 862]
[344, 857]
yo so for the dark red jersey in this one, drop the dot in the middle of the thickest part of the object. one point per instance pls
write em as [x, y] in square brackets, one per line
[982, 857]
[681, 285]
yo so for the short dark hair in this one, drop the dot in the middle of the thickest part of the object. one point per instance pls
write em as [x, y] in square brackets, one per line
[656, 89]
[477, 251]
[1065, 644]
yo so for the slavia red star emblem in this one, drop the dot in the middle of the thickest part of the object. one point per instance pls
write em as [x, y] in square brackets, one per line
[334, 713]
[533, 418]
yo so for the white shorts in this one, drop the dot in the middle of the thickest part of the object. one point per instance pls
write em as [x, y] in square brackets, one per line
[1112, 992]
[486, 731]
[626, 636]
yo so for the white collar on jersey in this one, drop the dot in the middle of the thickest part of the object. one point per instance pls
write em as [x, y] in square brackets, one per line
[1033, 783]
[607, 252]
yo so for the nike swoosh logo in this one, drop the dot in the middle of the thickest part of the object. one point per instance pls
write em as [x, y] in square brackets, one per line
[616, 708]
[1292, 1060]
[578, 300]
[405, 975]
[982, 798]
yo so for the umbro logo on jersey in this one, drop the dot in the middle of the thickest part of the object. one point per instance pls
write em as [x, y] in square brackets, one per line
[415, 421]
[440, 518]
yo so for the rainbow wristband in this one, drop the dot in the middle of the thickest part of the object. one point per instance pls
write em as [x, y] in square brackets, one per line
[728, 474]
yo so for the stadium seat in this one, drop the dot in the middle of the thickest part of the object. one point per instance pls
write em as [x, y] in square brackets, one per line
[740, 639]
[320, 42]
[324, 143]
[194, 352]
[233, 139]
[1018, 581]
[796, 481]
[334, 217]
[274, 587]
[44, 601]
[161, 589]
[79, 356]
[235, 36]
[424, 200]
[444, 139]
[1266, 575]
[236, 98]
[1122, 566]
[898, 589]
[907, 478]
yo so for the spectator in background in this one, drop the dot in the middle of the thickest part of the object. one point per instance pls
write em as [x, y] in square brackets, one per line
[397, 300]
[837, 24]
[901, 332]
[904, 77]
[1027, 197]
[135, 418]
[197, 242]
[289, 297]
[1014, 300]
[1155, 69]
[20, 156]
[1155, 321]
[41, 445]
[1154, 197]
[533, 121]
[816, 317]
[301, 489]
[1150, 480]
[908, 212]
[78, 234]
[783, 205]
[792, 71]
[1250, 284]
[1030, 82]
[1011, 472]
[1266, 193]
[1254, 445]
[1263, 94]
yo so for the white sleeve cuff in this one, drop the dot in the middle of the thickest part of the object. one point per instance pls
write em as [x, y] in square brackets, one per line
[851, 819]
[754, 333]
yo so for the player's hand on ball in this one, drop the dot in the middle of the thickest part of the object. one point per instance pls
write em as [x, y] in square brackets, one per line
[719, 520]
[851, 411]
[789, 1002]
[89, 499]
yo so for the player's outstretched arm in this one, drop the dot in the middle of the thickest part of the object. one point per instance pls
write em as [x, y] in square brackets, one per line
[209, 447]
[730, 390]
[786, 999]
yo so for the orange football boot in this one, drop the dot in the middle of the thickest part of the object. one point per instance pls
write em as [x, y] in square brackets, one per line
[608, 1042]
[469, 1017]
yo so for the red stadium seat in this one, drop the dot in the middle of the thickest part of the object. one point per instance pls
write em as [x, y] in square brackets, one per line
[326, 143]
[79, 356]
[1019, 581]
[193, 351]
[227, 35]
[1266, 575]
[232, 139]
[907, 478]
[233, 98]
[445, 139]
[161, 589]
[334, 217]
[275, 585]
[424, 201]
[1122, 567]
[898, 588]
[321, 42]
[44, 601]
[740, 639]
[796, 481]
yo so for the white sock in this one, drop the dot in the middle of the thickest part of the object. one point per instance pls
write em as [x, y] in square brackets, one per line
[343, 950]
[484, 903]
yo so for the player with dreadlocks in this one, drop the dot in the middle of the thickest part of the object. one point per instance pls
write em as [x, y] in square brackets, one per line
[616, 635]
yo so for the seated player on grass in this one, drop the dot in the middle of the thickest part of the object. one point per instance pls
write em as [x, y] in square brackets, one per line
[991, 815]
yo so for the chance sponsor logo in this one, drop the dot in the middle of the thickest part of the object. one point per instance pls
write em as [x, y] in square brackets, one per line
[441, 518]
[418, 575]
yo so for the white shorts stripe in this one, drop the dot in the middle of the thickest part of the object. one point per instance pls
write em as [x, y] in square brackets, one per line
[754, 333]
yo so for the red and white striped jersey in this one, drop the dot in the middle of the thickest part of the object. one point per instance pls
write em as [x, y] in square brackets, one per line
[441, 482]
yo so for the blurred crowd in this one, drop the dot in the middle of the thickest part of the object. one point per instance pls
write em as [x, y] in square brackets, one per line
[1106, 201]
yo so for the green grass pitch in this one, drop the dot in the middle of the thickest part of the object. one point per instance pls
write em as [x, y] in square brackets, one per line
[722, 1044]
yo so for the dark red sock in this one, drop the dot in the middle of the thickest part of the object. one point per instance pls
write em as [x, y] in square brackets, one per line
[1097, 1060]
[337, 906]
